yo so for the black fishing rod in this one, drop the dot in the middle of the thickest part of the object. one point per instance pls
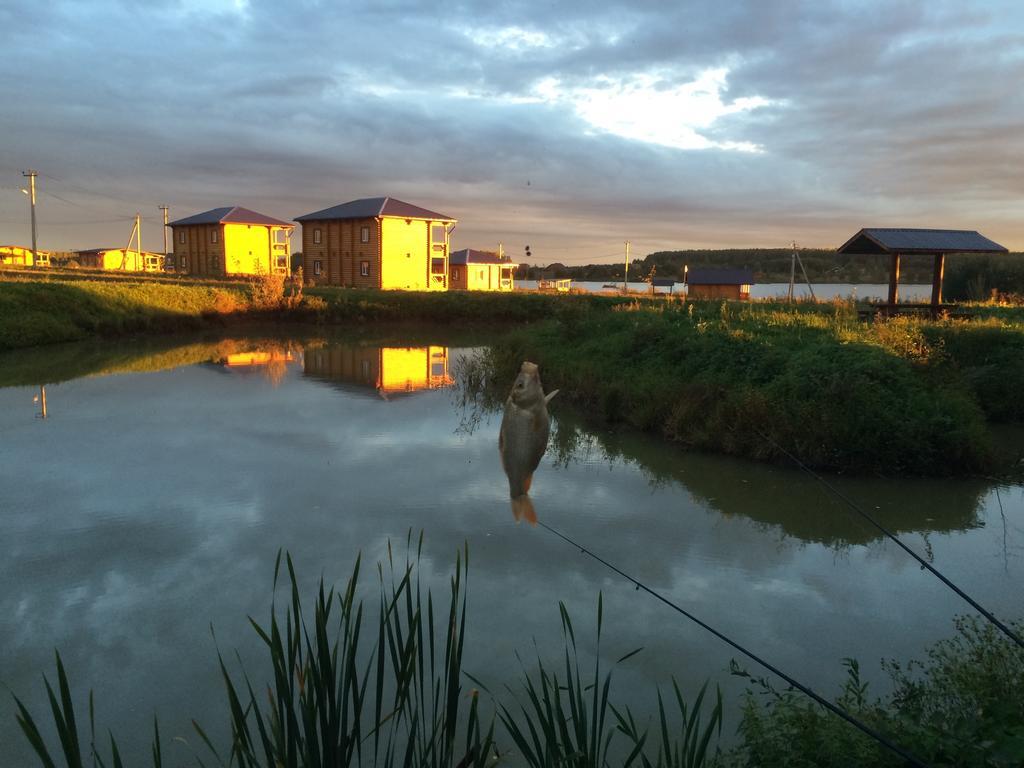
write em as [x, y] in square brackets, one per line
[924, 563]
[834, 709]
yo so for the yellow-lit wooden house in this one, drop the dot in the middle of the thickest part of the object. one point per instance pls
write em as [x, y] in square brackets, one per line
[231, 241]
[17, 256]
[473, 270]
[388, 371]
[377, 242]
[126, 259]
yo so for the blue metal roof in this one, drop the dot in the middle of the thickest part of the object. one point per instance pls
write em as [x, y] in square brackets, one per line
[231, 214]
[472, 256]
[371, 207]
[705, 276]
[876, 240]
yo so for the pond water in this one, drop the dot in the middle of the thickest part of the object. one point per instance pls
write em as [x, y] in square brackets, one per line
[150, 503]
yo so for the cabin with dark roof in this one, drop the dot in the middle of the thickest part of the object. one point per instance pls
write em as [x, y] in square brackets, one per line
[703, 283]
[377, 242]
[473, 270]
[894, 243]
[231, 241]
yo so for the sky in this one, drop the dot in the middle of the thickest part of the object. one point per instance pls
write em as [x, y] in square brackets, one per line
[567, 127]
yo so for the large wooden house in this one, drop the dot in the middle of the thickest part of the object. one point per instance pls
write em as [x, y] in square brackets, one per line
[377, 242]
[231, 241]
[473, 270]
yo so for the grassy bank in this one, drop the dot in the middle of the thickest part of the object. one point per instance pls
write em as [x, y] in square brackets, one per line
[384, 685]
[905, 396]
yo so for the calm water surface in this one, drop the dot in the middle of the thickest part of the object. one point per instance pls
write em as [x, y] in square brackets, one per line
[149, 505]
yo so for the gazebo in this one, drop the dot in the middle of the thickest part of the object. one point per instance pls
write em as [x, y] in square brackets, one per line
[927, 242]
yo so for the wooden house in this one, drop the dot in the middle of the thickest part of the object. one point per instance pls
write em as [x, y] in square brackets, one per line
[17, 256]
[472, 270]
[386, 371]
[702, 283]
[231, 241]
[124, 259]
[377, 242]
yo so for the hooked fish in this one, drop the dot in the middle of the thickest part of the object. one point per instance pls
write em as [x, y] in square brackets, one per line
[524, 437]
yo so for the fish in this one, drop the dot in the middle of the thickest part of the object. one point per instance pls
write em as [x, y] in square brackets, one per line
[523, 438]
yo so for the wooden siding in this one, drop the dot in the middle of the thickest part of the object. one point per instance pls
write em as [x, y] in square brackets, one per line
[398, 253]
[240, 249]
[340, 252]
[718, 292]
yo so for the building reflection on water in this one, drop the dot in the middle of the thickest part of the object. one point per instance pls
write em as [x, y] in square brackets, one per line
[387, 371]
[272, 361]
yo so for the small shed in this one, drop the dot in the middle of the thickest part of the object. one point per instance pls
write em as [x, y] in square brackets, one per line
[707, 283]
[473, 270]
[124, 259]
[17, 255]
[937, 243]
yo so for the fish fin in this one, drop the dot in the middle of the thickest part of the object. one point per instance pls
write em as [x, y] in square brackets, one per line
[549, 395]
[522, 509]
[527, 483]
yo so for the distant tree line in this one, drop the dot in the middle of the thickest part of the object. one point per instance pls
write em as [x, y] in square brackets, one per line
[968, 276]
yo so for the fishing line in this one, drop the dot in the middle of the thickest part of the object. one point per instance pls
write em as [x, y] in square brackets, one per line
[834, 709]
[924, 563]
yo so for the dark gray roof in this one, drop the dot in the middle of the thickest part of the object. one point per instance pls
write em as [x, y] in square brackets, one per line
[473, 256]
[705, 276]
[370, 207]
[663, 282]
[877, 240]
[231, 214]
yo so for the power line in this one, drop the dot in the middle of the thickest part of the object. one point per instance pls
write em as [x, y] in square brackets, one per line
[833, 708]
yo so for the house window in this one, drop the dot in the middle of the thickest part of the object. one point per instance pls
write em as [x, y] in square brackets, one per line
[181, 236]
[364, 268]
[364, 235]
[213, 235]
[184, 262]
[318, 266]
[483, 273]
[280, 236]
[316, 236]
[455, 273]
[437, 233]
[213, 262]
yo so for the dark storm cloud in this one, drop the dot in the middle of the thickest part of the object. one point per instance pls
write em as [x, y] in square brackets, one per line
[870, 113]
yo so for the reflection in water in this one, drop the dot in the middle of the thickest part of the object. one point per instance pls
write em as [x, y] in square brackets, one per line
[41, 399]
[387, 371]
[270, 359]
[124, 569]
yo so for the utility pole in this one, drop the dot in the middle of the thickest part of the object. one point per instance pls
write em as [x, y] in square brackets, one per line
[792, 271]
[31, 176]
[164, 208]
[138, 243]
[625, 275]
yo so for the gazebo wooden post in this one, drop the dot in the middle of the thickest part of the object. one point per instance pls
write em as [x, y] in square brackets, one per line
[937, 275]
[894, 280]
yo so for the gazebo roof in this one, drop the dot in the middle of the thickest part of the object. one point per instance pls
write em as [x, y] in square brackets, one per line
[881, 240]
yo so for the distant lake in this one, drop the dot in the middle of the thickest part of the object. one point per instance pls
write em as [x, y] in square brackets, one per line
[826, 291]
[151, 501]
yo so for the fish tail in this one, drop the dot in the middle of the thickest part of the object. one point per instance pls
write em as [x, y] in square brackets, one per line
[522, 509]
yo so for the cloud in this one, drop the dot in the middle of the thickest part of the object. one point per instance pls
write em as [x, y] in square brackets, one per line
[699, 124]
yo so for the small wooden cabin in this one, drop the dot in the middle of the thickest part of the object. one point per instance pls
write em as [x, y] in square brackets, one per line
[377, 242]
[472, 270]
[124, 259]
[17, 256]
[386, 371]
[231, 241]
[704, 283]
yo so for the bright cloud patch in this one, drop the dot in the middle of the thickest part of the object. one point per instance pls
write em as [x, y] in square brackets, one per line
[514, 38]
[647, 107]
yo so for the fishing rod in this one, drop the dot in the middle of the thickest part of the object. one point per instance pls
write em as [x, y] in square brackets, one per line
[833, 708]
[924, 563]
